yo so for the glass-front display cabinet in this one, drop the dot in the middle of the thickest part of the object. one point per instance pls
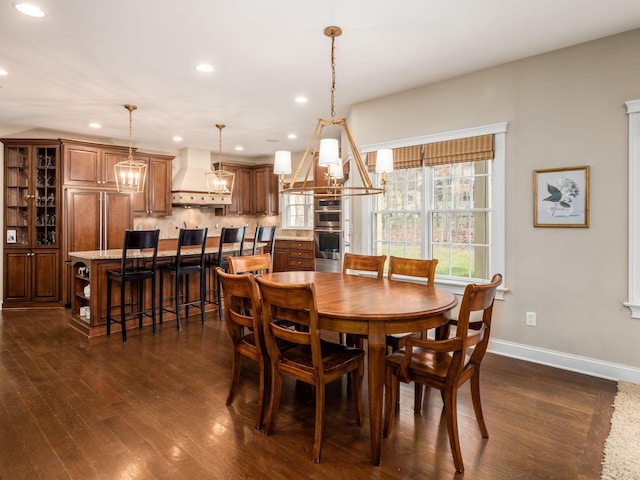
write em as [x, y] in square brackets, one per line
[31, 213]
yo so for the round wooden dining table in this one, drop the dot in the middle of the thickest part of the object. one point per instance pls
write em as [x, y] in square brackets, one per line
[366, 305]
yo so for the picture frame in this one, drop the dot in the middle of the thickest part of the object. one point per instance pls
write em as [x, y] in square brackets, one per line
[561, 197]
[11, 236]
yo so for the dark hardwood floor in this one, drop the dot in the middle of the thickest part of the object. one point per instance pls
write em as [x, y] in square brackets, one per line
[76, 408]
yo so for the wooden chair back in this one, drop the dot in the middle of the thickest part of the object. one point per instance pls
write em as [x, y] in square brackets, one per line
[260, 263]
[295, 303]
[243, 319]
[413, 267]
[354, 263]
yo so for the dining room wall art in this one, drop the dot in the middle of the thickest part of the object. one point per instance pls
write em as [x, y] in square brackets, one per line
[561, 197]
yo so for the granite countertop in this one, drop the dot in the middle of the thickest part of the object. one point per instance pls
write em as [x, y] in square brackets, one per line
[116, 253]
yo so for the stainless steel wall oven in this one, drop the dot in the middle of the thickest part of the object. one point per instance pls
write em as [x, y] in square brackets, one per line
[328, 243]
[328, 228]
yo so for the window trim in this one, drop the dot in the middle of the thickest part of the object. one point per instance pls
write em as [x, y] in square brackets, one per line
[633, 302]
[498, 197]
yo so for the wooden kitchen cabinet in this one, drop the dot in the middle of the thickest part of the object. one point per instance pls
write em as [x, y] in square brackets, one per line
[156, 198]
[291, 255]
[97, 220]
[265, 190]
[255, 190]
[241, 195]
[91, 164]
[31, 278]
[281, 256]
[31, 223]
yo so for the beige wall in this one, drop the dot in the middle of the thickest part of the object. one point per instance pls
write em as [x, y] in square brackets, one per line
[565, 108]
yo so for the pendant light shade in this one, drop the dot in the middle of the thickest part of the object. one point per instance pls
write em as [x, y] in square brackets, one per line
[130, 174]
[219, 181]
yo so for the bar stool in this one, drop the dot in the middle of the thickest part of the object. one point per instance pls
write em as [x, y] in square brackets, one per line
[228, 236]
[267, 235]
[130, 272]
[188, 262]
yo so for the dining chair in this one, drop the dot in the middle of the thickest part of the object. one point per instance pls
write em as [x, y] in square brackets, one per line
[136, 274]
[243, 319]
[228, 236]
[260, 263]
[356, 264]
[409, 269]
[188, 261]
[307, 358]
[447, 364]
[265, 234]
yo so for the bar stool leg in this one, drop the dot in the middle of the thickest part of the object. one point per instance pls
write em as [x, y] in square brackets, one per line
[153, 304]
[123, 321]
[161, 295]
[108, 306]
[177, 294]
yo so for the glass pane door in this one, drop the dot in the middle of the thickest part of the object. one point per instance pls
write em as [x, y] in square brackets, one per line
[45, 196]
[17, 196]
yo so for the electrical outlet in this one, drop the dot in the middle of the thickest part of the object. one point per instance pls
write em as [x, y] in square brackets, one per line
[530, 319]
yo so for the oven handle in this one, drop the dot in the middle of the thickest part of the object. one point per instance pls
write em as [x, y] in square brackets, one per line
[328, 230]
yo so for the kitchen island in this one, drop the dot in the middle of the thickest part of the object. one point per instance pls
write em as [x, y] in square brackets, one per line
[89, 305]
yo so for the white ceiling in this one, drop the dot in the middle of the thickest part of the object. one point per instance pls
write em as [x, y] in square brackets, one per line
[85, 59]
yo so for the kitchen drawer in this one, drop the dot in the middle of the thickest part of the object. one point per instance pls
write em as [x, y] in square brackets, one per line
[300, 254]
[300, 245]
[302, 263]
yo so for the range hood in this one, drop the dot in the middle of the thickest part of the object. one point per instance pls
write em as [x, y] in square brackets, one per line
[189, 186]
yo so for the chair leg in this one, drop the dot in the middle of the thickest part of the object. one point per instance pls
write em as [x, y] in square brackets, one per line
[390, 392]
[202, 296]
[417, 398]
[186, 295]
[236, 366]
[263, 390]
[140, 301]
[123, 315]
[153, 304]
[274, 400]
[317, 437]
[451, 415]
[108, 306]
[176, 290]
[356, 375]
[477, 406]
[161, 306]
[219, 294]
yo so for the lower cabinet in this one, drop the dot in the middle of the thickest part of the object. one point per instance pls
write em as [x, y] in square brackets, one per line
[31, 276]
[290, 255]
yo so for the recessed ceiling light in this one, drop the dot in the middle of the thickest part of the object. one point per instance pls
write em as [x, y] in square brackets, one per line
[177, 138]
[239, 148]
[204, 67]
[292, 136]
[302, 99]
[3, 72]
[29, 9]
[95, 125]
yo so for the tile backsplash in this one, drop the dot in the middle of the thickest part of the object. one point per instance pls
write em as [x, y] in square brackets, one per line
[202, 217]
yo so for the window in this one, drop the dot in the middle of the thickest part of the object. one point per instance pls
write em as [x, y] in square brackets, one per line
[450, 208]
[297, 211]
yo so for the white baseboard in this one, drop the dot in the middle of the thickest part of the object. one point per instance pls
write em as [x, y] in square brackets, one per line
[566, 361]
